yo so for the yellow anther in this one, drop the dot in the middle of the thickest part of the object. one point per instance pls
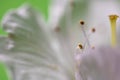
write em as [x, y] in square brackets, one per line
[113, 19]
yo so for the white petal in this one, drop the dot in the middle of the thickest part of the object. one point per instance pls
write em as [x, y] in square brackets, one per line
[56, 11]
[29, 48]
[100, 64]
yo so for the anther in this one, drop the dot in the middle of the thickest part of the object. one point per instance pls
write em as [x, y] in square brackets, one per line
[93, 30]
[82, 22]
[80, 46]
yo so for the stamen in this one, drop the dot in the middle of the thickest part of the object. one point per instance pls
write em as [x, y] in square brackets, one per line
[80, 46]
[82, 22]
[93, 30]
[113, 19]
[84, 33]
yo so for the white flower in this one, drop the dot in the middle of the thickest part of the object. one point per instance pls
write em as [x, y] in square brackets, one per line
[39, 50]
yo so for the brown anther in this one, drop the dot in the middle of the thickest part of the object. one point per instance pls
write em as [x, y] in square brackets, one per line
[57, 29]
[80, 46]
[82, 22]
[93, 30]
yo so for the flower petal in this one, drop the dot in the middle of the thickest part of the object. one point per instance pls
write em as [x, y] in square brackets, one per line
[31, 49]
[100, 64]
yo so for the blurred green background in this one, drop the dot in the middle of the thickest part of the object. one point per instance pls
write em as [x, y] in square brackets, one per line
[5, 5]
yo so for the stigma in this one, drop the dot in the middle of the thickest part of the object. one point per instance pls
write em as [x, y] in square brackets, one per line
[113, 19]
